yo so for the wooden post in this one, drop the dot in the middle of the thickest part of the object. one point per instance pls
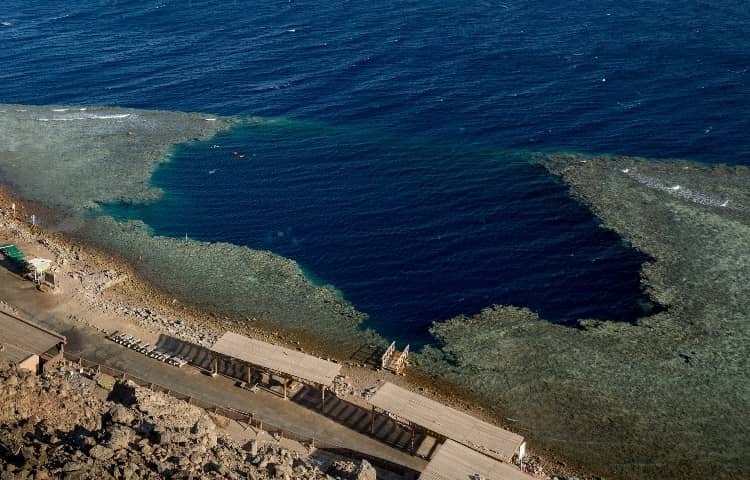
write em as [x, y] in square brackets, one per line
[521, 452]
[249, 375]
[215, 369]
[322, 397]
[372, 420]
[385, 360]
[284, 382]
[412, 437]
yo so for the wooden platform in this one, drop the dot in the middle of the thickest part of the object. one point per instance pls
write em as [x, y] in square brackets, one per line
[447, 422]
[454, 461]
[273, 358]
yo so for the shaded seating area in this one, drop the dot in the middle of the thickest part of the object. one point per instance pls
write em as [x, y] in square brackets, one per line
[14, 256]
[421, 414]
[283, 363]
[36, 269]
[454, 461]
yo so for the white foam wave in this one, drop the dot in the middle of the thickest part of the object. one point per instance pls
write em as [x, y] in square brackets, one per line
[83, 116]
[122, 115]
[6, 24]
[679, 191]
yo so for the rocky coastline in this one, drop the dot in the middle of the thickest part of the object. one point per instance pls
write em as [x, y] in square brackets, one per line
[134, 433]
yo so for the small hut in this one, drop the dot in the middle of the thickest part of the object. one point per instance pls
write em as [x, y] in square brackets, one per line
[37, 267]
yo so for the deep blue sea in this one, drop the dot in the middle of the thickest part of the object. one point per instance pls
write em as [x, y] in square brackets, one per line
[396, 167]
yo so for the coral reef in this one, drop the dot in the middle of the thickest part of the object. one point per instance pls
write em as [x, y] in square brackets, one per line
[666, 397]
[73, 159]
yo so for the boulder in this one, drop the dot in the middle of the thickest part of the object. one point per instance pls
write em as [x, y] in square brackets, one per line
[124, 393]
[204, 425]
[205, 430]
[72, 467]
[196, 458]
[161, 435]
[365, 471]
[120, 414]
[127, 472]
[179, 438]
[100, 452]
[120, 436]
[283, 471]
[252, 446]
[215, 467]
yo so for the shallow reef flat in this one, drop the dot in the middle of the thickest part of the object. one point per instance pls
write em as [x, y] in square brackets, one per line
[236, 280]
[666, 397]
[74, 159]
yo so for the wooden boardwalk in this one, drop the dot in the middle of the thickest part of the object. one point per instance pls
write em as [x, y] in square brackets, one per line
[454, 461]
[273, 358]
[447, 423]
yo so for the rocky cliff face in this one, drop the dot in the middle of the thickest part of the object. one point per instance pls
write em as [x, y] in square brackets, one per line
[59, 427]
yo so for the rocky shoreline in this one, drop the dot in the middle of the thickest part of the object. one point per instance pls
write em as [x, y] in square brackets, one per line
[134, 434]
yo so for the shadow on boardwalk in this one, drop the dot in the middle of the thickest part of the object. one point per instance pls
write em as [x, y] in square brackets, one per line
[359, 419]
[368, 355]
[197, 355]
